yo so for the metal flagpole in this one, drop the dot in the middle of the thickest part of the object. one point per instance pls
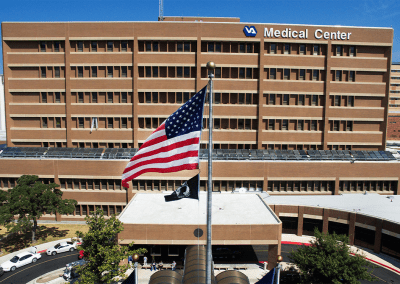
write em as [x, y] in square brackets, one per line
[210, 67]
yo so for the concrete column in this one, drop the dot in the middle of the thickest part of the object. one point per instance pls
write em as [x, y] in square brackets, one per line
[300, 221]
[272, 256]
[58, 217]
[129, 194]
[336, 192]
[378, 236]
[325, 221]
[352, 228]
[261, 76]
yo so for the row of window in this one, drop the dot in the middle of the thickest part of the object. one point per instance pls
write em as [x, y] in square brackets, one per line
[291, 48]
[294, 74]
[53, 122]
[294, 99]
[340, 75]
[102, 97]
[339, 100]
[167, 46]
[101, 145]
[103, 122]
[301, 186]
[292, 147]
[167, 72]
[52, 72]
[52, 97]
[108, 210]
[90, 184]
[102, 71]
[232, 72]
[51, 46]
[293, 124]
[373, 185]
[230, 47]
[341, 125]
[102, 46]
[218, 185]
[9, 182]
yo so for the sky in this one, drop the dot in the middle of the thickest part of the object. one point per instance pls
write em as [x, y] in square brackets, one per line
[366, 13]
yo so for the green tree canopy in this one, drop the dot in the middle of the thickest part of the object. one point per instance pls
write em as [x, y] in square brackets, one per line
[101, 250]
[328, 260]
[29, 200]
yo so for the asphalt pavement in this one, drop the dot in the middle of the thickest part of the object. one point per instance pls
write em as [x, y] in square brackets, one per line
[44, 265]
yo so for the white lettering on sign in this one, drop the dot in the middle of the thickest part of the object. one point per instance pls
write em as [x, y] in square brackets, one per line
[286, 33]
[338, 35]
[318, 34]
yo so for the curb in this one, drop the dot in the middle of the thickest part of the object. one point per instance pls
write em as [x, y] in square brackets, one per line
[369, 259]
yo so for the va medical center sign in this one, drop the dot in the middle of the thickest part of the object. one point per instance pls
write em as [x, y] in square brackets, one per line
[303, 34]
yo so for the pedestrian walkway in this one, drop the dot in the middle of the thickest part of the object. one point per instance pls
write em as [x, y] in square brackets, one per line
[253, 271]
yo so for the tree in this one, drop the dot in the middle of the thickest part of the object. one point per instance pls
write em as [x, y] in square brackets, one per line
[101, 251]
[328, 260]
[29, 200]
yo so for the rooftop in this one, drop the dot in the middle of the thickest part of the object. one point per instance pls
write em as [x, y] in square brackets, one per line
[227, 209]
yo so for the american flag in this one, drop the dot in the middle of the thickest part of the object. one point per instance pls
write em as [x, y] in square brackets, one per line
[174, 145]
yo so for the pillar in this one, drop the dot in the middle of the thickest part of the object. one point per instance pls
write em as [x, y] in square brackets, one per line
[300, 221]
[352, 228]
[378, 236]
[272, 256]
[325, 220]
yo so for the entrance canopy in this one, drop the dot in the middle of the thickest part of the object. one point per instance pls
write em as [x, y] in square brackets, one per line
[236, 219]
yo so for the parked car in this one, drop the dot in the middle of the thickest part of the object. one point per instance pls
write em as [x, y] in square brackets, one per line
[1, 271]
[70, 270]
[19, 260]
[61, 247]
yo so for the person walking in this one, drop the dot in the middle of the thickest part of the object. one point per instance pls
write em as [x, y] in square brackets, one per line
[144, 260]
[130, 260]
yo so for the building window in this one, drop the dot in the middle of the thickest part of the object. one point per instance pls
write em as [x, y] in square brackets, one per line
[58, 97]
[352, 75]
[302, 49]
[349, 126]
[94, 46]
[124, 46]
[110, 97]
[58, 122]
[248, 99]
[80, 97]
[44, 122]
[80, 72]
[155, 71]
[350, 101]
[43, 72]
[241, 99]
[271, 99]
[286, 74]
[217, 72]
[110, 122]
[186, 72]
[110, 46]
[302, 75]
[316, 49]
[186, 47]
[339, 50]
[179, 72]
[315, 75]
[284, 124]
[109, 71]
[155, 46]
[42, 46]
[124, 72]
[272, 73]
[217, 98]
[249, 73]
[80, 46]
[241, 48]
[179, 47]
[124, 97]
[124, 122]
[338, 75]
[241, 73]
[94, 71]
[300, 125]
[94, 97]
[57, 72]
[314, 125]
[271, 124]
[285, 100]
[336, 125]
[44, 97]
[337, 101]
[56, 46]
[272, 48]
[352, 51]
[81, 122]
[286, 49]
[301, 100]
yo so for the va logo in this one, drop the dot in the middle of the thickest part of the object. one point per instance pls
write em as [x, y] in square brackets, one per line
[250, 31]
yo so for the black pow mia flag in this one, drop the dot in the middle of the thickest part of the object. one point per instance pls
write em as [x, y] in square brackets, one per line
[189, 189]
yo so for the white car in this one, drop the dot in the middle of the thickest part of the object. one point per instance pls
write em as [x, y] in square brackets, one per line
[19, 260]
[61, 247]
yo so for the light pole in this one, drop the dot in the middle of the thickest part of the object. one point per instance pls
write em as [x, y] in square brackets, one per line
[278, 274]
[135, 258]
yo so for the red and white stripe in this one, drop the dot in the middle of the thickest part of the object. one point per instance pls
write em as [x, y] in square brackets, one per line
[161, 155]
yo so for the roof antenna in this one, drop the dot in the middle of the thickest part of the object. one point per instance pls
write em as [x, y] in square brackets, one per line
[161, 10]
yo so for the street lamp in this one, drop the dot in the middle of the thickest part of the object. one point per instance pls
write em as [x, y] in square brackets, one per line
[278, 274]
[136, 258]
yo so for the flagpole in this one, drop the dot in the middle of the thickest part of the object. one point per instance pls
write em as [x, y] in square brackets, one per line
[210, 67]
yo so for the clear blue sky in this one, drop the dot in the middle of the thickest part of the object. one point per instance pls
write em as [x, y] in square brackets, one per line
[369, 13]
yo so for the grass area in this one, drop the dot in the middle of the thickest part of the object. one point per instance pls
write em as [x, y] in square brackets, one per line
[45, 233]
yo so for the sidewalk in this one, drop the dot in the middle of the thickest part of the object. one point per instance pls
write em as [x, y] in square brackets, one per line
[254, 271]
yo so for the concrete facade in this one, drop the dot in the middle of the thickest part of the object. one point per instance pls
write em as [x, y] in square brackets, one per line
[2, 112]
[393, 131]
